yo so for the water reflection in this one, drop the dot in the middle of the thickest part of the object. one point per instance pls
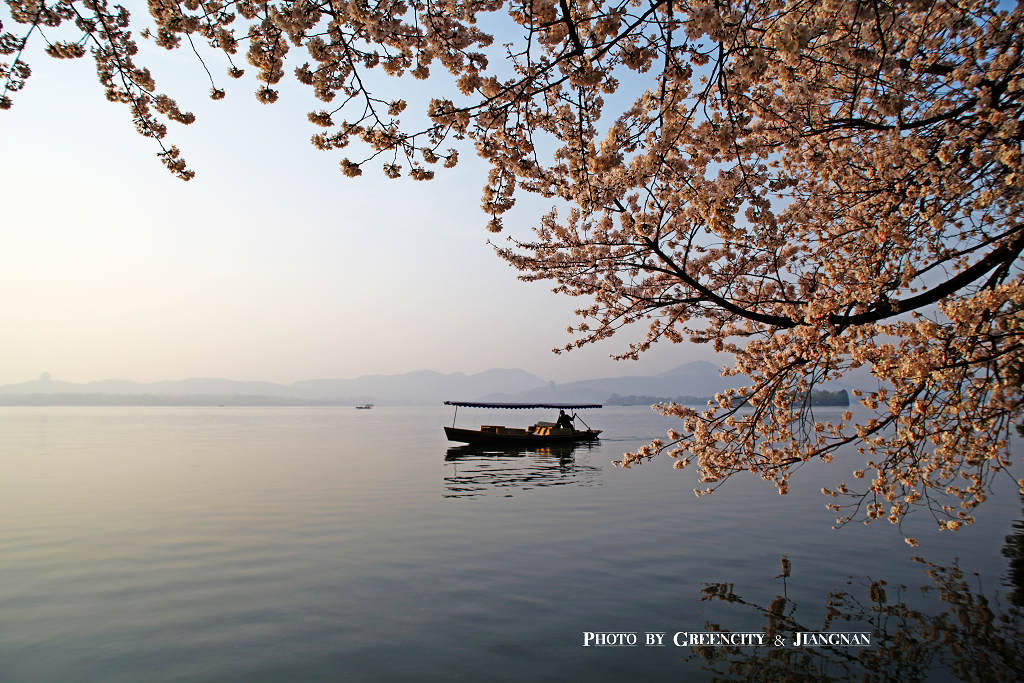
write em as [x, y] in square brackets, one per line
[947, 630]
[479, 470]
[1013, 550]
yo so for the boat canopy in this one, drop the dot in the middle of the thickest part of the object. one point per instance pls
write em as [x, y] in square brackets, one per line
[517, 406]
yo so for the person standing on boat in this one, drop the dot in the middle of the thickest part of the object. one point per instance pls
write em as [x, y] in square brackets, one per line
[564, 421]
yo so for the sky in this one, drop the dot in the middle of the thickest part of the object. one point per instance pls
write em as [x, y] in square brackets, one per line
[268, 265]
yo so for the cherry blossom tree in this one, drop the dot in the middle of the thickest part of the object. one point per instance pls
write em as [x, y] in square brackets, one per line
[813, 186]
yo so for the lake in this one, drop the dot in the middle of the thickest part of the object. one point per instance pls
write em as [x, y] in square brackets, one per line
[325, 544]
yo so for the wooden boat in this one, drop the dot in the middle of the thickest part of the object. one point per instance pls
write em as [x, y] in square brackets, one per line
[541, 433]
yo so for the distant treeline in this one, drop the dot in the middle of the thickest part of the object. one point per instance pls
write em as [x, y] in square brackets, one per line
[818, 398]
[158, 400]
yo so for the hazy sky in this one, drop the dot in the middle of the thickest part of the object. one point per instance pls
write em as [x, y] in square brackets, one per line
[268, 265]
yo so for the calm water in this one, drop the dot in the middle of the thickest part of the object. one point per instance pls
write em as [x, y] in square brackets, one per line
[323, 544]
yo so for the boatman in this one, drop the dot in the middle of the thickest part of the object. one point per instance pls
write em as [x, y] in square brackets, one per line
[564, 421]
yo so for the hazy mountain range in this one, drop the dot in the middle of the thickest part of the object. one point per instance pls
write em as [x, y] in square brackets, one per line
[697, 378]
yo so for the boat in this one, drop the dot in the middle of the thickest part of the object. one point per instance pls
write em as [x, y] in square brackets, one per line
[539, 434]
[364, 406]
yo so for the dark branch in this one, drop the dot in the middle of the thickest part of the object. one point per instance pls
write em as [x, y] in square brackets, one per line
[570, 25]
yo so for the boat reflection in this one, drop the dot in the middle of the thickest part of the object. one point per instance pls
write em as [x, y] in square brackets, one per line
[949, 630]
[481, 470]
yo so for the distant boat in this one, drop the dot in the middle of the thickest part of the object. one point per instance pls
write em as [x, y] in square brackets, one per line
[541, 433]
[364, 406]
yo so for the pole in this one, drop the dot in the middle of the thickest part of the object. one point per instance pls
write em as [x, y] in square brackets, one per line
[577, 417]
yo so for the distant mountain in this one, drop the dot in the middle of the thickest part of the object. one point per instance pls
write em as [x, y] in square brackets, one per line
[424, 386]
[698, 378]
[157, 400]
[409, 388]
[194, 386]
[818, 398]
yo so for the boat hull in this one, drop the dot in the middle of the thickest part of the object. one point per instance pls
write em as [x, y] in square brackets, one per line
[477, 436]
